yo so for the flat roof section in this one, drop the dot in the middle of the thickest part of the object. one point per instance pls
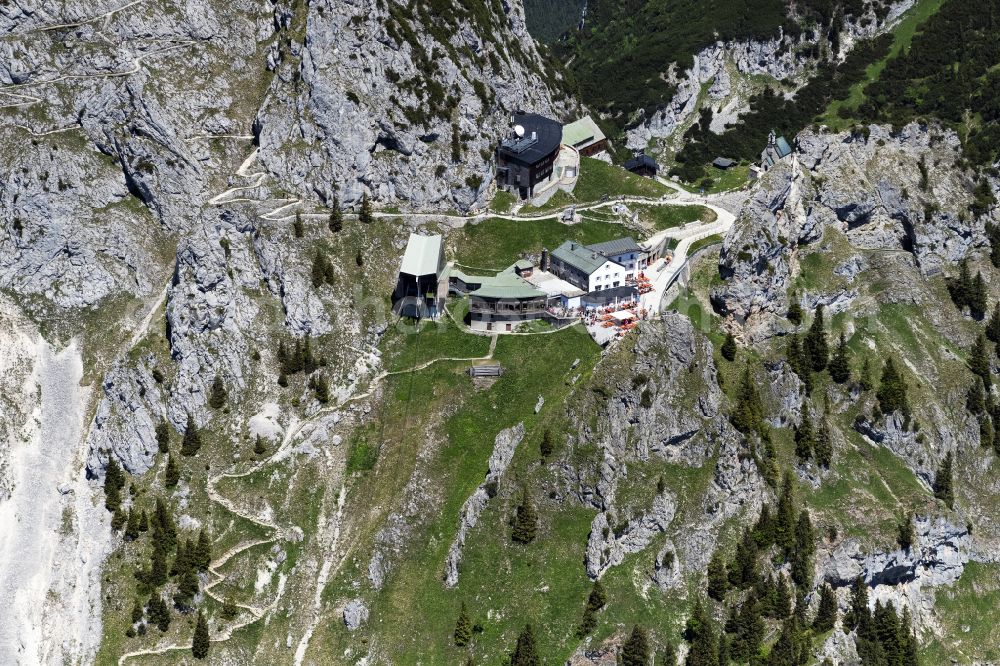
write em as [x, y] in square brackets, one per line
[547, 137]
[616, 246]
[422, 256]
[582, 132]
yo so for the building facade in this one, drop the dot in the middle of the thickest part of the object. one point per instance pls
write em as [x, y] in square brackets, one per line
[418, 291]
[599, 267]
[526, 157]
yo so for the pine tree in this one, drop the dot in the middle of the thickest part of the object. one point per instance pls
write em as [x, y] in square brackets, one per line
[794, 310]
[321, 388]
[805, 442]
[200, 644]
[463, 628]
[805, 548]
[743, 572]
[729, 348]
[987, 433]
[750, 629]
[993, 326]
[114, 482]
[298, 228]
[763, 529]
[187, 589]
[635, 652]
[525, 521]
[318, 272]
[202, 551]
[975, 398]
[668, 656]
[858, 614]
[143, 521]
[163, 436]
[817, 348]
[365, 216]
[718, 579]
[159, 613]
[546, 446]
[748, 415]
[907, 534]
[595, 602]
[824, 441]
[960, 287]
[138, 611]
[192, 440]
[158, 572]
[782, 598]
[526, 651]
[259, 448]
[840, 368]
[943, 482]
[826, 616]
[795, 358]
[336, 222]
[865, 379]
[892, 390]
[308, 359]
[132, 525]
[172, 475]
[783, 652]
[700, 633]
[456, 143]
[784, 519]
[979, 361]
[978, 297]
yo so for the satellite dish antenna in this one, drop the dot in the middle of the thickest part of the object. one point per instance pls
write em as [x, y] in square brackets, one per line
[519, 130]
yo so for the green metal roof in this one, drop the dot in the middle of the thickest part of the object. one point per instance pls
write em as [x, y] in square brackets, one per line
[422, 256]
[505, 285]
[582, 131]
[579, 257]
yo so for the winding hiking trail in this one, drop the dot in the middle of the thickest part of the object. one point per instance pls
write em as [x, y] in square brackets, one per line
[330, 564]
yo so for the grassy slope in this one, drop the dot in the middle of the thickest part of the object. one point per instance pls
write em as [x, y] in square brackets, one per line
[902, 36]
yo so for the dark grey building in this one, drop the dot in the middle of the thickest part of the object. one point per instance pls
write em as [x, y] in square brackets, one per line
[527, 156]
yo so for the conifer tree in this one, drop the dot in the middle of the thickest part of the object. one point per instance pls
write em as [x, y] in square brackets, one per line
[114, 482]
[158, 572]
[748, 416]
[943, 482]
[336, 221]
[718, 579]
[729, 348]
[318, 272]
[159, 613]
[993, 326]
[200, 643]
[298, 228]
[816, 347]
[824, 441]
[138, 611]
[805, 548]
[365, 216]
[784, 519]
[826, 616]
[978, 297]
[668, 656]
[229, 610]
[782, 598]
[202, 551]
[547, 445]
[743, 572]
[192, 440]
[979, 361]
[172, 475]
[795, 358]
[794, 310]
[840, 368]
[700, 633]
[217, 396]
[132, 525]
[987, 433]
[635, 652]
[975, 398]
[595, 602]
[750, 629]
[187, 589]
[805, 442]
[907, 534]
[308, 359]
[865, 378]
[525, 521]
[526, 651]
[960, 287]
[463, 628]
[259, 448]
[783, 652]
[858, 613]
[892, 390]
[763, 529]
[143, 521]
[163, 436]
